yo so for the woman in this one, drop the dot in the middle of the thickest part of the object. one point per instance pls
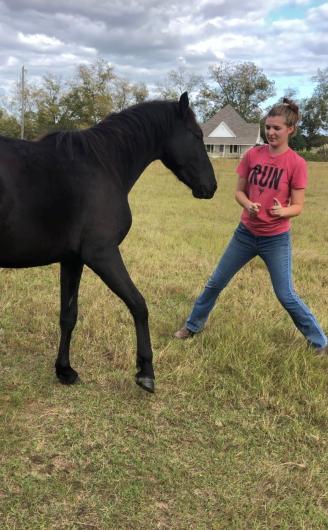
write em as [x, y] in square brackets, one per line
[270, 189]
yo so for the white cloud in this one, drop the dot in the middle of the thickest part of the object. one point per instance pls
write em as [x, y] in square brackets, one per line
[221, 46]
[317, 14]
[143, 39]
[39, 40]
[290, 24]
[12, 61]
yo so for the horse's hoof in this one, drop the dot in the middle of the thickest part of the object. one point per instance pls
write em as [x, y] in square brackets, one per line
[146, 382]
[67, 376]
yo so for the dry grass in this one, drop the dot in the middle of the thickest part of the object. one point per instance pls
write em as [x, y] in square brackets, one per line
[236, 435]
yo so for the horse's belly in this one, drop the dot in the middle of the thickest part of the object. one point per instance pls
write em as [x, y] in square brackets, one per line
[28, 251]
[21, 263]
[27, 259]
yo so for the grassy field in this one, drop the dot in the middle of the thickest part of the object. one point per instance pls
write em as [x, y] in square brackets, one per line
[236, 435]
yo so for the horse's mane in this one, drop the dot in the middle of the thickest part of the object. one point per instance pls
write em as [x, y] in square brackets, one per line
[145, 121]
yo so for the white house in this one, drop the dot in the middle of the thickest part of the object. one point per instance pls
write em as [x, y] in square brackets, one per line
[228, 134]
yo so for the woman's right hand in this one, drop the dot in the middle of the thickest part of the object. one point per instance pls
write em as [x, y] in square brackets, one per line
[253, 208]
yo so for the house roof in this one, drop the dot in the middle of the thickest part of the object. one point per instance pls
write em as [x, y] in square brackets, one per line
[228, 119]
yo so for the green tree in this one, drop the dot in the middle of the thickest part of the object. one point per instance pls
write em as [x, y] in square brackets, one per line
[315, 110]
[82, 101]
[178, 81]
[89, 97]
[298, 141]
[9, 125]
[140, 92]
[125, 94]
[243, 85]
[311, 120]
[321, 93]
[50, 112]
[15, 104]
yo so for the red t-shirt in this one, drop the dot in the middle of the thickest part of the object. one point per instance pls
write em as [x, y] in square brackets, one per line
[270, 177]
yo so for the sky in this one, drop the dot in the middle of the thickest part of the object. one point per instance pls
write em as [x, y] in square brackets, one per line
[144, 39]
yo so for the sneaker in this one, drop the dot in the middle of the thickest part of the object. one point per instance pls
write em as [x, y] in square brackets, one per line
[322, 352]
[184, 333]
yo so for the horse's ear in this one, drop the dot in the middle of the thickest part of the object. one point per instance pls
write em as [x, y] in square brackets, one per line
[184, 103]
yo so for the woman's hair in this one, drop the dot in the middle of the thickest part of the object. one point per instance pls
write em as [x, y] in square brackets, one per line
[289, 110]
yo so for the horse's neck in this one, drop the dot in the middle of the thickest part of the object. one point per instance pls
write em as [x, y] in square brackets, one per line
[146, 155]
[141, 149]
[132, 168]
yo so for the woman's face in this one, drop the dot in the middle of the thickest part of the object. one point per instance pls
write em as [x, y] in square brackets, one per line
[277, 132]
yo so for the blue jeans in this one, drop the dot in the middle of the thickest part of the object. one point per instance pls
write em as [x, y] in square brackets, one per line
[276, 254]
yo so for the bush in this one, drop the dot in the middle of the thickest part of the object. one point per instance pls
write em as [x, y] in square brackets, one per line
[319, 156]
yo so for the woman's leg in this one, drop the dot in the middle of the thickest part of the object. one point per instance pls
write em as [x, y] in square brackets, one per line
[240, 250]
[277, 255]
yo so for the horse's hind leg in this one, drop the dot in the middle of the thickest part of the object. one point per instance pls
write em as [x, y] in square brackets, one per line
[70, 275]
[108, 264]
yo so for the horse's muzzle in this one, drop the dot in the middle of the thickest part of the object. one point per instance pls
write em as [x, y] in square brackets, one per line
[203, 192]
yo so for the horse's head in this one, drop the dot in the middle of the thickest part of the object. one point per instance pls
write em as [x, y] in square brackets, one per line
[185, 154]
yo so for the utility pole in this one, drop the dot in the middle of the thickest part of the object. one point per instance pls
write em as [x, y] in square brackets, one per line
[23, 102]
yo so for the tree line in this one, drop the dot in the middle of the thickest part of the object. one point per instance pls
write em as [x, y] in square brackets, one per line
[93, 92]
[96, 90]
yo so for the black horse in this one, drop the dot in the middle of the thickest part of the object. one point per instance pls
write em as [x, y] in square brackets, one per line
[64, 198]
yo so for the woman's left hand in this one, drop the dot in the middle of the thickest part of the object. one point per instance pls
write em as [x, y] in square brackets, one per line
[277, 209]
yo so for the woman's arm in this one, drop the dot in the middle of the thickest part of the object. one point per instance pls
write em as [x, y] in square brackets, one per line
[295, 207]
[240, 195]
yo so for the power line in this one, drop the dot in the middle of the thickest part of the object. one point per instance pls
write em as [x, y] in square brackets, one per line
[23, 101]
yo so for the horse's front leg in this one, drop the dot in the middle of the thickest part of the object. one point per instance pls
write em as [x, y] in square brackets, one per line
[70, 275]
[107, 263]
